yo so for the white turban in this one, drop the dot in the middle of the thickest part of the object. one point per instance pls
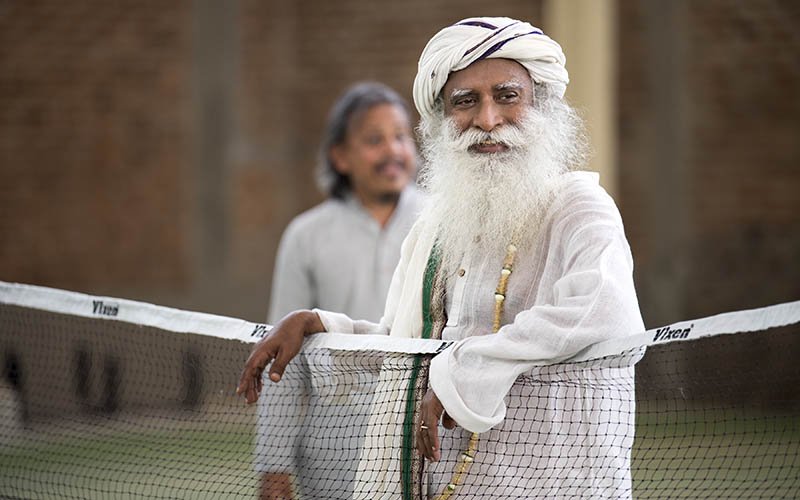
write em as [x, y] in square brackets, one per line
[456, 47]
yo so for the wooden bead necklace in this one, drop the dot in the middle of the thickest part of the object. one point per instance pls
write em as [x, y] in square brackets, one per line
[499, 297]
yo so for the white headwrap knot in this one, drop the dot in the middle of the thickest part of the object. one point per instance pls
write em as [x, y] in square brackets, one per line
[456, 47]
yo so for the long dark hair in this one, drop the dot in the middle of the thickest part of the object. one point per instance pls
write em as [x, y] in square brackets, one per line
[355, 101]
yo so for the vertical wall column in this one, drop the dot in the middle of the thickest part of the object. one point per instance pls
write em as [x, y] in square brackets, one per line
[664, 288]
[587, 31]
[214, 76]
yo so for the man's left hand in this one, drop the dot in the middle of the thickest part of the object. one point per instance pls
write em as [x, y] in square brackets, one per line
[428, 432]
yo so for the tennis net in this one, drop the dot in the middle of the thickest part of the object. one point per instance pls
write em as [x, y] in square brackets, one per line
[111, 398]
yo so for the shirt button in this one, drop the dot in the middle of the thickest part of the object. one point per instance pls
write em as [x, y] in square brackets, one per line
[461, 272]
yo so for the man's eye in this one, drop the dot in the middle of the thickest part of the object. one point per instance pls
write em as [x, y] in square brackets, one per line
[464, 101]
[372, 140]
[508, 96]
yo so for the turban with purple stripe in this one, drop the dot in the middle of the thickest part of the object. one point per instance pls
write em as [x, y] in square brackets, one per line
[456, 47]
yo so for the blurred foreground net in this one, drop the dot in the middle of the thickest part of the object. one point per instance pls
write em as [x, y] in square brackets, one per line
[109, 398]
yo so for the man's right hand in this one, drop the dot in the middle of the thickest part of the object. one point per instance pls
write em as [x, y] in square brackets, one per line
[281, 344]
[275, 486]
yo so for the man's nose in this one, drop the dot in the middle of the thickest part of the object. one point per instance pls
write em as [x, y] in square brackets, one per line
[488, 116]
[395, 146]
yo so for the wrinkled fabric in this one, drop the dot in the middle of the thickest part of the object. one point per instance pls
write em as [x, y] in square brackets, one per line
[570, 288]
[456, 47]
[563, 430]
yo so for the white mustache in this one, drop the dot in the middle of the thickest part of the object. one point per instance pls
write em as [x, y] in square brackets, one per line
[511, 136]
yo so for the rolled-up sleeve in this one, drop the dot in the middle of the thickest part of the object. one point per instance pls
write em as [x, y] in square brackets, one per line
[593, 300]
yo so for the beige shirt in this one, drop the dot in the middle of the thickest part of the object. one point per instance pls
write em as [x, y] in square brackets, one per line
[335, 256]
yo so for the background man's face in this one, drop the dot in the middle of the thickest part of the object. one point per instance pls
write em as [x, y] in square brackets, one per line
[378, 154]
[486, 95]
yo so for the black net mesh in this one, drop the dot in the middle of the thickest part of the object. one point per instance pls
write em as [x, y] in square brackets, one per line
[99, 408]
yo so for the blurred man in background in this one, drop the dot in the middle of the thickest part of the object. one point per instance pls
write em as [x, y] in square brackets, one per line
[340, 255]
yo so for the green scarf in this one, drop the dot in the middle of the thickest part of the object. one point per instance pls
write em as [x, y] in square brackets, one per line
[434, 319]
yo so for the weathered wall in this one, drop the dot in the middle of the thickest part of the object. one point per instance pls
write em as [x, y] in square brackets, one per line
[709, 109]
[156, 151]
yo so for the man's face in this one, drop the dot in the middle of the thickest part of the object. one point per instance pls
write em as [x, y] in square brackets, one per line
[378, 153]
[486, 95]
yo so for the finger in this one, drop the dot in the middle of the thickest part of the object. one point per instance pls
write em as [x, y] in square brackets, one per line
[253, 368]
[276, 371]
[255, 391]
[429, 443]
[430, 413]
[428, 437]
[433, 441]
[251, 396]
[422, 443]
[427, 448]
[250, 385]
[246, 381]
[279, 364]
[242, 385]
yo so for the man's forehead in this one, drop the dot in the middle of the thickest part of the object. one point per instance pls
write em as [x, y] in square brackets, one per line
[494, 74]
[514, 84]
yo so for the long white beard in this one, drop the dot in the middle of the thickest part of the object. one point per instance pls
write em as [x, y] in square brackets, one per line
[496, 198]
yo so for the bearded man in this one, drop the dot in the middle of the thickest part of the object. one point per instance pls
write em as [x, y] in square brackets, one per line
[518, 259]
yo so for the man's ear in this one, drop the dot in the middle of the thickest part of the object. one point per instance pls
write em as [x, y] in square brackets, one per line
[339, 159]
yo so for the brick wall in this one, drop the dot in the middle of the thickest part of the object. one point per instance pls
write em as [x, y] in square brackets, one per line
[92, 151]
[745, 77]
[710, 185]
[157, 150]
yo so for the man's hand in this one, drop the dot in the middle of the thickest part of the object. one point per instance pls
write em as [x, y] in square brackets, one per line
[428, 432]
[275, 486]
[279, 346]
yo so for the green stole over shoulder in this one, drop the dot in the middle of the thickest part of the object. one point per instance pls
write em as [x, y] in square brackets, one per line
[434, 319]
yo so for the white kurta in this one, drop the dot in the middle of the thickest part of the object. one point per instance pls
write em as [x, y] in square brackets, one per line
[570, 288]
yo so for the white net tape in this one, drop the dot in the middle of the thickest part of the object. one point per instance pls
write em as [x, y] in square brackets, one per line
[110, 398]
